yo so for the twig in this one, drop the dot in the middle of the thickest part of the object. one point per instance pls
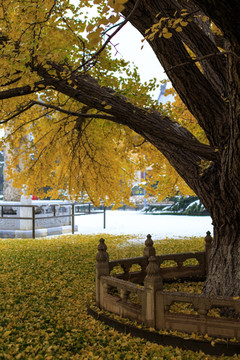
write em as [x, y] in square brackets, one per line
[202, 58]
[97, 53]
[68, 112]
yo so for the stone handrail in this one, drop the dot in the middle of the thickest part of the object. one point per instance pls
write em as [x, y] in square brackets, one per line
[180, 258]
[126, 264]
[180, 270]
[201, 304]
[154, 305]
[200, 321]
[122, 285]
[173, 272]
[119, 302]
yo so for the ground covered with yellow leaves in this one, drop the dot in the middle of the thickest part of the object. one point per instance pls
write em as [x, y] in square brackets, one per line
[44, 287]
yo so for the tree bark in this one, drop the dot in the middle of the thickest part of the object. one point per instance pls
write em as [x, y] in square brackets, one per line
[224, 270]
[219, 186]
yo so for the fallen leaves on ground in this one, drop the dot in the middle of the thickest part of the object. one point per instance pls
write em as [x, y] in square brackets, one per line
[44, 286]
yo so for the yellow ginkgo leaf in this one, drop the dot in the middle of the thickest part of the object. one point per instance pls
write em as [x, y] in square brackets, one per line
[167, 35]
[179, 29]
[184, 23]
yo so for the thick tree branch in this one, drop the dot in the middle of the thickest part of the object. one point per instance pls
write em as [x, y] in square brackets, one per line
[192, 86]
[21, 91]
[198, 37]
[86, 90]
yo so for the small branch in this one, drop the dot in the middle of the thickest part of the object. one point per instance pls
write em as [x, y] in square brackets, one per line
[10, 82]
[49, 106]
[80, 40]
[26, 123]
[201, 59]
[73, 113]
[23, 109]
[97, 53]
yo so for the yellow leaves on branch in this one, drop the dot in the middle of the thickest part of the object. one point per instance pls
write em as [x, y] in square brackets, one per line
[165, 26]
[41, 29]
[77, 158]
[94, 37]
[64, 154]
[182, 115]
[117, 5]
[108, 14]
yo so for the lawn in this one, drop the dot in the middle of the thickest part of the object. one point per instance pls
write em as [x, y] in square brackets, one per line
[44, 286]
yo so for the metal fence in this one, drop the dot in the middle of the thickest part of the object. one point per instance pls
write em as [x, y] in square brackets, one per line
[76, 209]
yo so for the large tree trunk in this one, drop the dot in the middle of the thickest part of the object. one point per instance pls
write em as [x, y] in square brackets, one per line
[219, 186]
[224, 270]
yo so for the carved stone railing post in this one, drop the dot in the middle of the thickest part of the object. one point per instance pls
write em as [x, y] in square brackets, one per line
[208, 247]
[102, 268]
[152, 283]
[149, 249]
[124, 295]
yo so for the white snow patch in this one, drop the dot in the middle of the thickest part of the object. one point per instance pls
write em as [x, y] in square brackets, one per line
[139, 224]
[196, 202]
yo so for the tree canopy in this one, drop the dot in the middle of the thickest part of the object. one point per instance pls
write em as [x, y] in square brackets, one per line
[68, 143]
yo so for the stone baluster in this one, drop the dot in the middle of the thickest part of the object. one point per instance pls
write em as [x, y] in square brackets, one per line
[149, 249]
[102, 268]
[208, 247]
[124, 294]
[152, 283]
[126, 269]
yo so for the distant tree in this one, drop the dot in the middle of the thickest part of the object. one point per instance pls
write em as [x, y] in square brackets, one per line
[48, 65]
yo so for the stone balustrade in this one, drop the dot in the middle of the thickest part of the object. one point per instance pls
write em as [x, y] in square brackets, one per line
[199, 319]
[139, 295]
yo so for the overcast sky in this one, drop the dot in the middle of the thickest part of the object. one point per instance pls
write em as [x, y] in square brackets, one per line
[129, 46]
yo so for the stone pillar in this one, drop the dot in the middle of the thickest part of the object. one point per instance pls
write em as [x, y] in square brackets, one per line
[149, 249]
[208, 248]
[152, 283]
[25, 212]
[102, 268]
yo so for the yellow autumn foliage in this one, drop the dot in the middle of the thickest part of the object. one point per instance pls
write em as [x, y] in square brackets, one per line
[76, 157]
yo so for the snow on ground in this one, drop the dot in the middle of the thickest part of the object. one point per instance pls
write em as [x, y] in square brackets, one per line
[140, 224]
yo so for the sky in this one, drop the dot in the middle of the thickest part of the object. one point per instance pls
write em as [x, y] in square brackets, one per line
[129, 46]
